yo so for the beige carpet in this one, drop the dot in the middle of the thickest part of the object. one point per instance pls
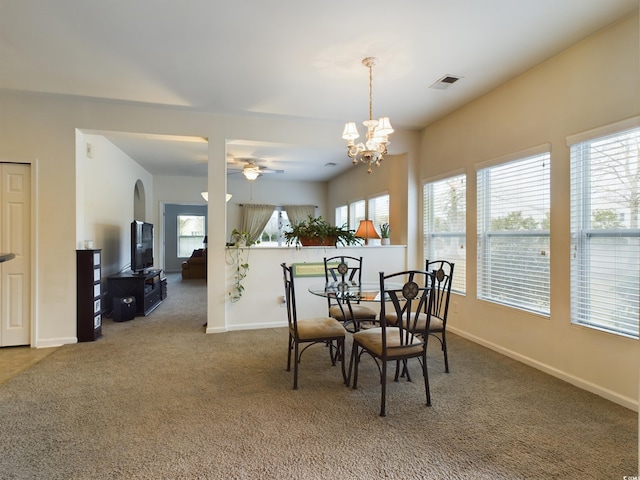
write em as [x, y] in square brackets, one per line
[156, 398]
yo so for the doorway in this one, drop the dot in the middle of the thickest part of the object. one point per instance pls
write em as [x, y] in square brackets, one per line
[15, 238]
[184, 229]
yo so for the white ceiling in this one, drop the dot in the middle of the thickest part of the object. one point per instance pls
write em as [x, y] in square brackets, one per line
[283, 58]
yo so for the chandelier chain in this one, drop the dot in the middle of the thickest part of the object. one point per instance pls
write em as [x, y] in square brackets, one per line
[370, 92]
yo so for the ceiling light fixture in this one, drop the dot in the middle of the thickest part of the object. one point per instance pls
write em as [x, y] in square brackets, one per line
[205, 195]
[373, 151]
[251, 173]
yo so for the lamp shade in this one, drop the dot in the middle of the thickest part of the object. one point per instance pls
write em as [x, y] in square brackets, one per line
[366, 230]
[350, 131]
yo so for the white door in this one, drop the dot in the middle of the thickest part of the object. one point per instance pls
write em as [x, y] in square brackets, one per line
[15, 237]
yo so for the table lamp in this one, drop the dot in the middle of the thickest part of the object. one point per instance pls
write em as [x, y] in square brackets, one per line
[366, 230]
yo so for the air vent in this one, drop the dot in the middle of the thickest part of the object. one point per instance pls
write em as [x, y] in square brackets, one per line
[445, 82]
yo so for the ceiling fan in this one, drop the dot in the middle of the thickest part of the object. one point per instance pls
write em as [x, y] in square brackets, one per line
[250, 169]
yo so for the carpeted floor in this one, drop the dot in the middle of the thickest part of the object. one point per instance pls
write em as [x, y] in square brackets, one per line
[156, 398]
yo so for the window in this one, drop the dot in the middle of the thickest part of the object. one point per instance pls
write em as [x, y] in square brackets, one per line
[378, 211]
[191, 230]
[444, 225]
[272, 235]
[356, 213]
[513, 231]
[342, 216]
[605, 248]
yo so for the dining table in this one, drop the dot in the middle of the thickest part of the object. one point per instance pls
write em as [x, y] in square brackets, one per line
[346, 293]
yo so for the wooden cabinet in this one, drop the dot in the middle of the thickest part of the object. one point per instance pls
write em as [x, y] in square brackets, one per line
[89, 306]
[149, 289]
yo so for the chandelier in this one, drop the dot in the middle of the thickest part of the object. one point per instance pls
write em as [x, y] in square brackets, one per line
[371, 152]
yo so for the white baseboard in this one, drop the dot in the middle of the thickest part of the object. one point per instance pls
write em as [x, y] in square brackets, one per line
[54, 342]
[256, 326]
[627, 402]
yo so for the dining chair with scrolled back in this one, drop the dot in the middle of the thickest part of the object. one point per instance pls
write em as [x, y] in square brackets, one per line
[443, 271]
[346, 269]
[310, 331]
[440, 306]
[406, 294]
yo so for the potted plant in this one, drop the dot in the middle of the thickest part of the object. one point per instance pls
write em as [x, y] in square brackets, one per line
[237, 257]
[385, 233]
[315, 231]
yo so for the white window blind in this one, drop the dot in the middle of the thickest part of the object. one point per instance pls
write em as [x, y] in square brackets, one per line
[605, 257]
[356, 213]
[342, 215]
[444, 225]
[378, 211]
[513, 233]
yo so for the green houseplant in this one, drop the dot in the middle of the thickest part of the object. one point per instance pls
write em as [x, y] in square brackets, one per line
[237, 257]
[315, 231]
[385, 233]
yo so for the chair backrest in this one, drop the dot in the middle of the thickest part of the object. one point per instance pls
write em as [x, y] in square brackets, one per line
[348, 269]
[443, 271]
[290, 296]
[342, 269]
[406, 294]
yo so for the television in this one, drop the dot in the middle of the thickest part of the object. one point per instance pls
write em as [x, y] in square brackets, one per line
[141, 246]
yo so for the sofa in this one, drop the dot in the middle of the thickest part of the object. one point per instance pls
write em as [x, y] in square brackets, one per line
[196, 265]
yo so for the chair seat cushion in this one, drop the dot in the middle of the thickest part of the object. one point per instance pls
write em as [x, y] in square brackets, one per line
[359, 311]
[371, 339]
[436, 324]
[319, 328]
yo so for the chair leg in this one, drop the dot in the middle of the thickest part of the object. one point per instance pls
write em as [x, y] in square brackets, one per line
[296, 363]
[341, 353]
[425, 374]
[289, 352]
[353, 366]
[444, 349]
[383, 387]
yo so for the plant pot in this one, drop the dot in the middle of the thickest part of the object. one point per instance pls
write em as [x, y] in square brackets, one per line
[318, 241]
[385, 241]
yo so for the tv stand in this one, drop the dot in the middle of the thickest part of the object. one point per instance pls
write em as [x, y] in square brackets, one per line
[149, 289]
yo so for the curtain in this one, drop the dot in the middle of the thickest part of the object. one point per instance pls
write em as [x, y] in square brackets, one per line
[299, 213]
[255, 218]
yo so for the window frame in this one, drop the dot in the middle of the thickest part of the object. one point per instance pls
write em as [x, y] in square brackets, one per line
[589, 308]
[430, 235]
[524, 288]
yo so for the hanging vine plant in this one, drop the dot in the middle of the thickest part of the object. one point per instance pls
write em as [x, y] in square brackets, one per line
[238, 257]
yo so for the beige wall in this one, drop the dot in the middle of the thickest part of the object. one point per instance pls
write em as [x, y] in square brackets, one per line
[594, 83]
[41, 129]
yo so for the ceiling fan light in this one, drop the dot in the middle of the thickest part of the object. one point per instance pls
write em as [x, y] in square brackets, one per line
[251, 173]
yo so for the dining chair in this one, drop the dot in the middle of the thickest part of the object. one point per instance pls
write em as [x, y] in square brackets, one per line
[311, 331]
[406, 294]
[443, 271]
[440, 306]
[346, 269]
